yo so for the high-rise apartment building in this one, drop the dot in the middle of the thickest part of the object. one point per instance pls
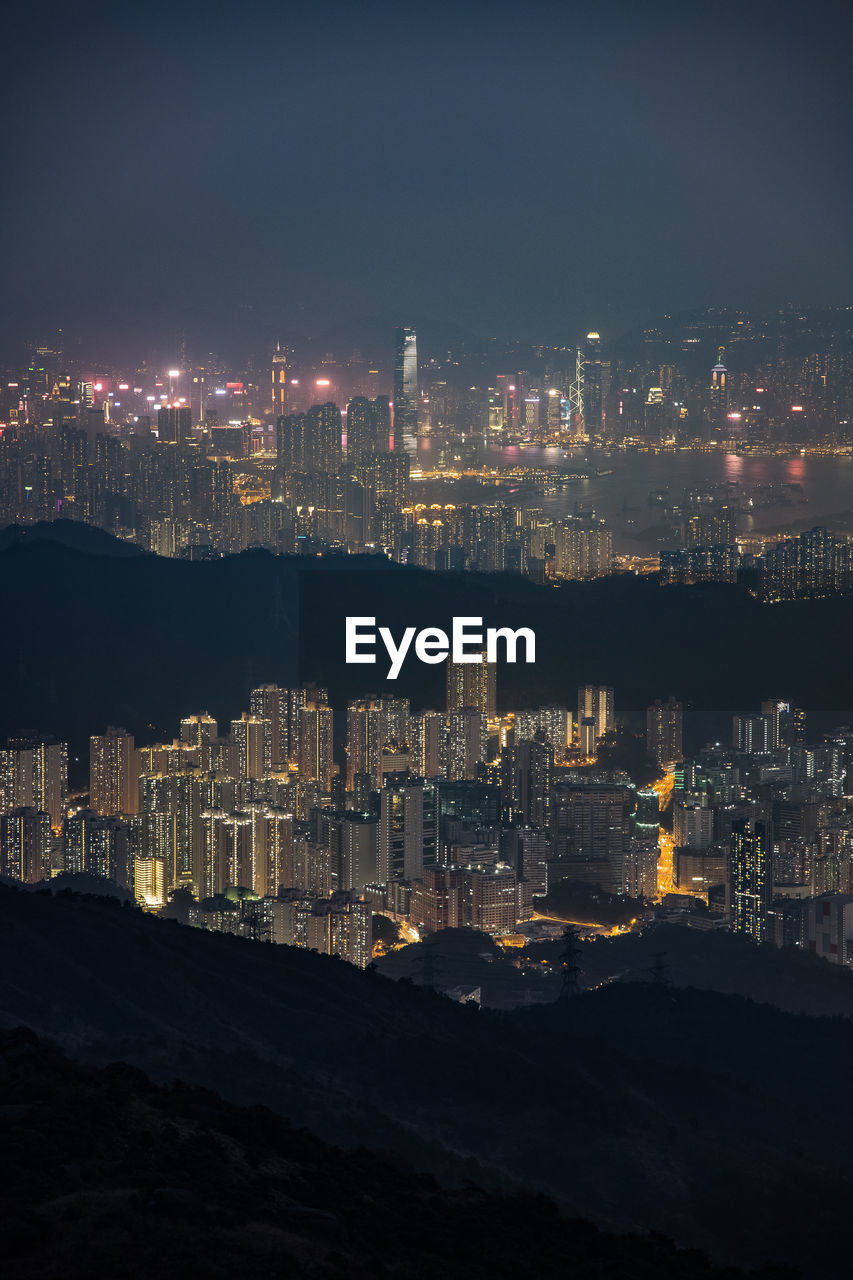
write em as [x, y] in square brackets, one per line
[596, 702]
[34, 775]
[471, 684]
[664, 731]
[113, 772]
[368, 427]
[25, 844]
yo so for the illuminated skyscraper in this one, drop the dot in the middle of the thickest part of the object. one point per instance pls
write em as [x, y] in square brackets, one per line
[664, 731]
[401, 832]
[405, 391]
[113, 772]
[751, 878]
[466, 743]
[316, 744]
[471, 684]
[718, 392]
[596, 701]
[174, 424]
[34, 775]
[251, 747]
[279, 380]
[25, 845]
[368, 426]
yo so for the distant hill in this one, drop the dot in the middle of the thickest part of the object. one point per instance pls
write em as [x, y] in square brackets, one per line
[68, 533]
[104, 635]
[701, 1115]
[105, 1173]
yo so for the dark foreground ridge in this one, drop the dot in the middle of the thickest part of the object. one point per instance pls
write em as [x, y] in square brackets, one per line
[640, 1106]
[102, 636]
[105, 1172]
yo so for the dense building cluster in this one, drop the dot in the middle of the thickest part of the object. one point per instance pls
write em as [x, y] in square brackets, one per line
[447, 818]
[310, 457]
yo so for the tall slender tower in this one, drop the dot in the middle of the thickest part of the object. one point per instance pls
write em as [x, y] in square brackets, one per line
[406, 391]
[279, 380]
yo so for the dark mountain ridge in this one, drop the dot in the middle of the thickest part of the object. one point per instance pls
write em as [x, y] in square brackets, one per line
[694, 1113]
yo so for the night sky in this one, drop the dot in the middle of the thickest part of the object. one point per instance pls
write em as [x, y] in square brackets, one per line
[247, 170]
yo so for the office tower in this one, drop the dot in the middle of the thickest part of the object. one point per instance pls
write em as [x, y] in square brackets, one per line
[596, 383]
[591, 831]
[34, 775]
[316, 744]
[471, 684]
[113, 772]
[692, 824]
[406, 391]
[401, 831]
[174, 424]
[664, 740]
[358, 850]
[583, 551]
[466, 743]
[251, 747]
[596, 701]
[753, 735]
[368, 427]
[751, 879]
[647, 815]
[279, 380]
[25, 843]
[718, 391]
[527, 769]
[697, 872]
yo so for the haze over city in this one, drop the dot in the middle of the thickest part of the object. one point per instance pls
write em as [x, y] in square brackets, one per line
[513, 348]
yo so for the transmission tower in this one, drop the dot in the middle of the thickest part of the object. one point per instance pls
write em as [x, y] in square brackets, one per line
[570, 963]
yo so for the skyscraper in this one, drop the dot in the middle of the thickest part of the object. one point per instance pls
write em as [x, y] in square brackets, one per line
[405, 391]
[113, 772]
[471, 684]
[596, 701]
[750, 878]
[279, 380]
[368, 426]
[664, 731]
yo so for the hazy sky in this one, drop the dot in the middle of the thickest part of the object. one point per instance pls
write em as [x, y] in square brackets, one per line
[513, 169]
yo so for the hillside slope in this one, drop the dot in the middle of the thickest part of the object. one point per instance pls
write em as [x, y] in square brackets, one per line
[698, 1114]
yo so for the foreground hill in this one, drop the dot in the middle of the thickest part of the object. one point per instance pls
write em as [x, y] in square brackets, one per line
[105, 1172]
[701, 1115]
